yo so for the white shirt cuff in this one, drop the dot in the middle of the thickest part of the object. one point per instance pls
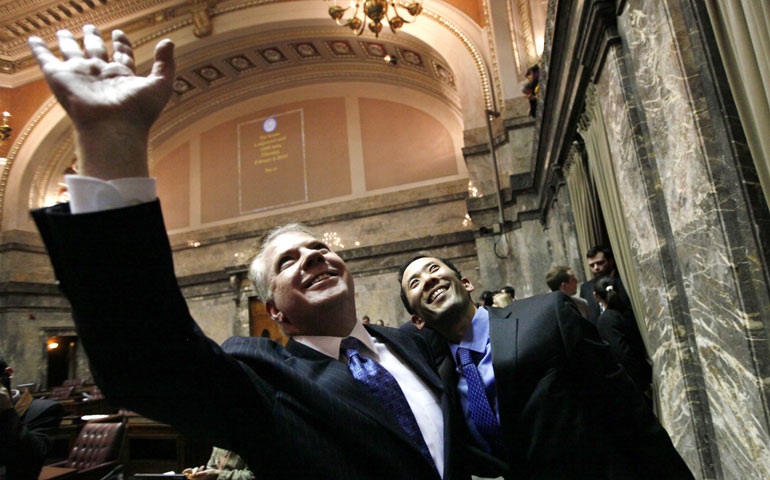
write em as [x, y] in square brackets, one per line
[89, 194]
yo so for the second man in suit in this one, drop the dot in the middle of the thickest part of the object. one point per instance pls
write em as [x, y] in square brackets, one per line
[539, 388]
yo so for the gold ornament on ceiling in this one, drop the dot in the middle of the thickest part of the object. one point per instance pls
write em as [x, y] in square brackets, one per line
[376, 11]
[5, 129]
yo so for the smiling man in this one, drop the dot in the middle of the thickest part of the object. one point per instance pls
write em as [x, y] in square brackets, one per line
[539, 389]
[299, 412]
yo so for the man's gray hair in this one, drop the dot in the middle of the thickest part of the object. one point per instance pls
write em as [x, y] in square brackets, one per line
[258, 269]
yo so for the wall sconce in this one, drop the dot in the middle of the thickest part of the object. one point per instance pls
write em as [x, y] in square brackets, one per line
[5, 129]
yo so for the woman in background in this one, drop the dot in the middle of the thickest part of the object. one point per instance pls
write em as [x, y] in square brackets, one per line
[622, 333]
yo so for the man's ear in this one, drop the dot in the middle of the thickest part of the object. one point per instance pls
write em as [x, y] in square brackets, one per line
[468, 284]
[418, 322]
[278, 317]
[9, 371]
[273, 312]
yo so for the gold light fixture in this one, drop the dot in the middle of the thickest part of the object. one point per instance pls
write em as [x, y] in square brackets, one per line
[5, 129]
[376, 11]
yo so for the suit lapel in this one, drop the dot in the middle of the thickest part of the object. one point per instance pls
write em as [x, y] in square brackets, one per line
[503, 337]
[405, 347]
[333, 376]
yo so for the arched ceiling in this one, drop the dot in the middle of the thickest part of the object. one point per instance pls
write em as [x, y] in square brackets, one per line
[254, 47]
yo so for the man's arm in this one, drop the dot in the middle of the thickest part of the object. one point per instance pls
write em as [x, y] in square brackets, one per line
[115, 267]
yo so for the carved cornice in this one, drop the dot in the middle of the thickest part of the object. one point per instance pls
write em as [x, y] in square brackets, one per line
[493, 59]
[21, 19]
[513, 29]
[471, 48]
[527, 33]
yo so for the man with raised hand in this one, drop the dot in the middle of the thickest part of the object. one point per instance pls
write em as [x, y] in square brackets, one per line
[539, 388]
[302, 411]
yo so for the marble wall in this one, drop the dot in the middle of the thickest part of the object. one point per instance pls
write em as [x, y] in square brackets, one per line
[694, 240]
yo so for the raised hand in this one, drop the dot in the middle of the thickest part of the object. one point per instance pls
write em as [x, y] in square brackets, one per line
[111, 107]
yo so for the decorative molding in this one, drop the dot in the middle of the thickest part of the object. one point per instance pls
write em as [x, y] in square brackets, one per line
[53, 168]
[513, 30]
[493, 60]
[575, 155]
[24, 18]
[527, 33]
[471, 48]
[41, 112]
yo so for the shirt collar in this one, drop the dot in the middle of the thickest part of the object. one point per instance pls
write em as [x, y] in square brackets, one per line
[330, 346]
[476, 337]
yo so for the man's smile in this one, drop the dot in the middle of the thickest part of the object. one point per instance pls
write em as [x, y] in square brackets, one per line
[436, 294]
[318, 279]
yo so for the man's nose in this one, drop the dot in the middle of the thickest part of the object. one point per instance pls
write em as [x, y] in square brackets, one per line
[311, 256]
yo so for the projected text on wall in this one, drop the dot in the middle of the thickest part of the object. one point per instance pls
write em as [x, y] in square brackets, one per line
[271, 161]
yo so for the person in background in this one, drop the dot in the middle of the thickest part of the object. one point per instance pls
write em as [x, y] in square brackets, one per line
[509, 290]
[366, 320]
[26, 427]
[621, 332]
[563, 279]
[602, 263]
[532, 88]
[487, 298]
[222, 465]
[501, 300]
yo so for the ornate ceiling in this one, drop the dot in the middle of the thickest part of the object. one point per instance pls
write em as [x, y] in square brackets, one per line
[228, 50]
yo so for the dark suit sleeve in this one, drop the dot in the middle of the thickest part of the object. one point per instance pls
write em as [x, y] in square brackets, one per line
[622, 334]
[25, 442]
[146, 352]
[612, 332]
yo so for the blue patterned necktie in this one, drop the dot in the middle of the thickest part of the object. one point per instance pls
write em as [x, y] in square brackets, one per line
[385, 388]
[478, 402]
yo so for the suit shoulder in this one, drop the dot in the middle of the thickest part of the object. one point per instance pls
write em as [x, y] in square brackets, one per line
[403, 334]
[251, 347]
[540, 300]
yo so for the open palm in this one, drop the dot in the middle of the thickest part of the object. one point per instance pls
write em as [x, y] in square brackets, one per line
[96, 90]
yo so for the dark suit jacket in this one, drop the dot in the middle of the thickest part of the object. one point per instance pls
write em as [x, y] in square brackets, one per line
[25, 441]
[587, 293]
[567, 409]
[622, 334]
[288, 412]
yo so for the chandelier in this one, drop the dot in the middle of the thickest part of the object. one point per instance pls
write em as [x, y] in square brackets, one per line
[376, 11]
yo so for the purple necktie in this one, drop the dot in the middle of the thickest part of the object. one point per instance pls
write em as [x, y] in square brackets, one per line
[478, 402]
[385, 388]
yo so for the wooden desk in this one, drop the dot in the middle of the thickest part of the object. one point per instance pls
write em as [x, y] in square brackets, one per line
[156, 447]
[59, 473]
